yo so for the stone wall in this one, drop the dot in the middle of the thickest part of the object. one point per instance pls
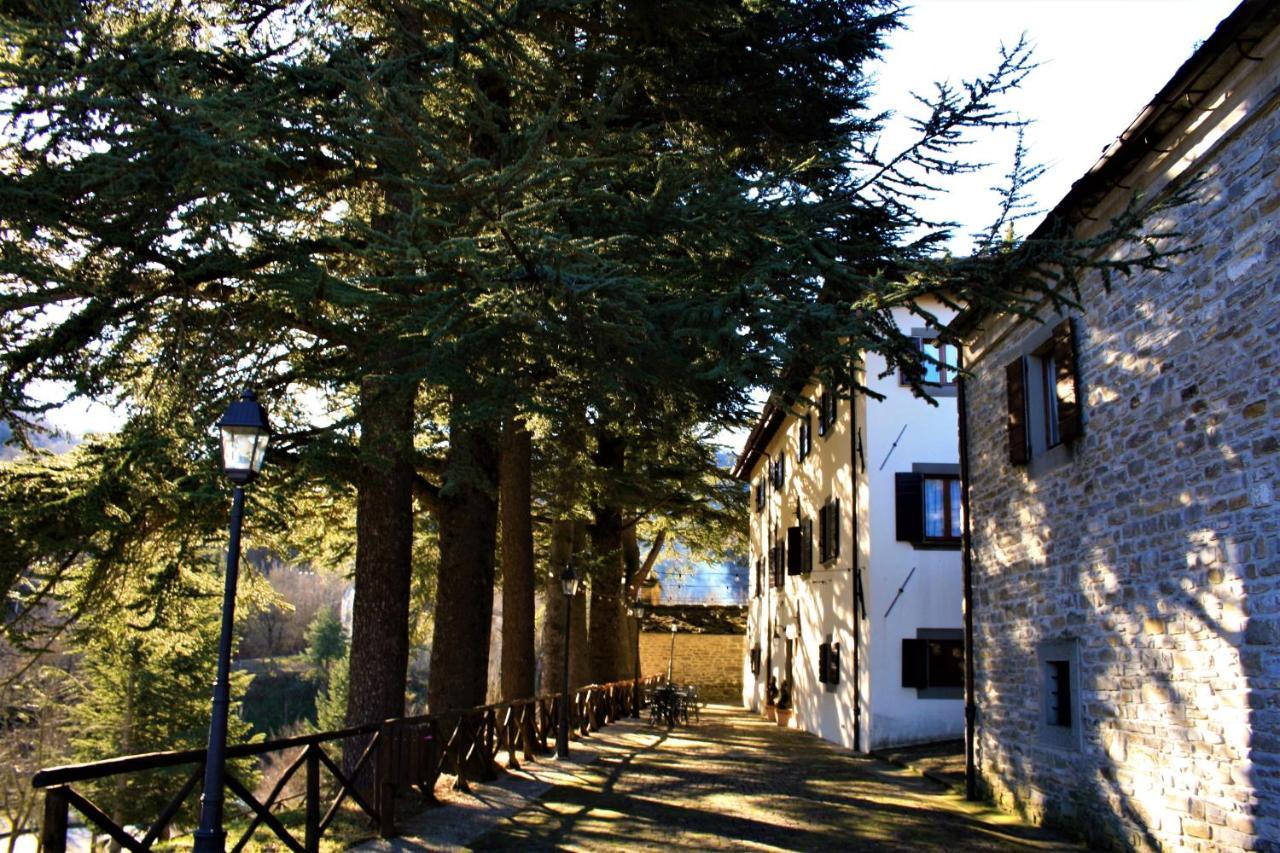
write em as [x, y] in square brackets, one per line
[1153, 549]
[711, 661]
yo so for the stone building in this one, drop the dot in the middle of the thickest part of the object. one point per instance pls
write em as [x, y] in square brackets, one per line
[1123, 463]
[854, 554]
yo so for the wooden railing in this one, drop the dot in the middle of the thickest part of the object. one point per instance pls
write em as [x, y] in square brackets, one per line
[408, 753]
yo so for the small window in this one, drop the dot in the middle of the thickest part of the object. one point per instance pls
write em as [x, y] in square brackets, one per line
[941, 365]
[760, 494]
[1059, 664]
[777, 563]
[826, 412]
[928, 506]
[933, 663]
[829, 531]
[755, 660]
[1044, 396]
[941, 508]
[759, 576]
[1057, 687]
[829, 663]
[778, 472]
[806, 436]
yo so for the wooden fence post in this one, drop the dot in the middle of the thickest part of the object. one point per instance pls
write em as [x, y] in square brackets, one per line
[311, 839]
[53, 829]
[384, 781]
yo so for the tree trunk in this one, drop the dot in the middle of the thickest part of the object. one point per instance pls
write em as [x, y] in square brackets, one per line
[553, 621]
[384, 554]
[630, 570]
[515, 478]
[609, 635]
[464, 584]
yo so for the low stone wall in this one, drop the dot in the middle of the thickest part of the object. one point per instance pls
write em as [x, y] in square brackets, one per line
[713, 662]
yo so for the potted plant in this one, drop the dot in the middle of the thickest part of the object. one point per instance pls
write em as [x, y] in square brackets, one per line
[784, 710]
[771, 700]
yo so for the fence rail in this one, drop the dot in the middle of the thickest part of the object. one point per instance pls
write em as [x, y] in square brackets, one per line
[400, 756]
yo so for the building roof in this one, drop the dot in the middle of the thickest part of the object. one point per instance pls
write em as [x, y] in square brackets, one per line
[1185, 93]
[696, 619]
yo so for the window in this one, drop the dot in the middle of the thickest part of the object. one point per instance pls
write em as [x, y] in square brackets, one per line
[826, 412]
[941, 366]
[829, 663]
[829, 531]
[760, 494]
[806, 436]
[941, 508]
[777, 568]
[755, 660]
[1044, 396]
[1057, 693]
[759, 576]
[778, 472]
[933, 663]
[1059, 663]
[928, 505]
[800, 548]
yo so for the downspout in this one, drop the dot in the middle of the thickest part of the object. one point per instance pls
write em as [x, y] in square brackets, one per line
[857, 576]
[768, 608]
[970, 696]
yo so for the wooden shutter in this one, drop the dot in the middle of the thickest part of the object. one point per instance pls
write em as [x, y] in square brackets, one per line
[824, 652]
[794, 552]
[822, 534]
[835, 528]
[915, 663]
[1066, 382]
[806, 545]
[833, 664]
[1016, 385]
[909, 506]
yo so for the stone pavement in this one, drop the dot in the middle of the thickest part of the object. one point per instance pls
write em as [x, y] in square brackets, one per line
[733, 781]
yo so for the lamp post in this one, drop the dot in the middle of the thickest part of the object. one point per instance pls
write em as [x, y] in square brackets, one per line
[245, 434]
[569, 583]
[637, 610]
[671, 659]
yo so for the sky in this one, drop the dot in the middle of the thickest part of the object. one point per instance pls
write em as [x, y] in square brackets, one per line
[1100, 61]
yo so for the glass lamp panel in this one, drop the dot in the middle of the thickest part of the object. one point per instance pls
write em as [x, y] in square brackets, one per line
[243, 449]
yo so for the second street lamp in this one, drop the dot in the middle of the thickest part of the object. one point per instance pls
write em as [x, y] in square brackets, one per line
[569, 583]
[245, 433]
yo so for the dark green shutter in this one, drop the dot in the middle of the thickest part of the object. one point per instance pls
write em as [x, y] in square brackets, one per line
[794, 553]
[915, 663]
[822, 534]
[835, 528]
[806, 545]
[833, 664]
[1066, 382]
[1016, 387]
[824, 652]
[909, 506]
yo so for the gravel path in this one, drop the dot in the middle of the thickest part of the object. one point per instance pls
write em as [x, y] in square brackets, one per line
[732, 781]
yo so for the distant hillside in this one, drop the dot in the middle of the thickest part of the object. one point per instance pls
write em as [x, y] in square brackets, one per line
[54, 443]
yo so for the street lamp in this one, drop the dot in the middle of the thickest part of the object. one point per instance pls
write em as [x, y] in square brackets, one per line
[245, 433]
[637, 611]
[569, 583]
[671, 660]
